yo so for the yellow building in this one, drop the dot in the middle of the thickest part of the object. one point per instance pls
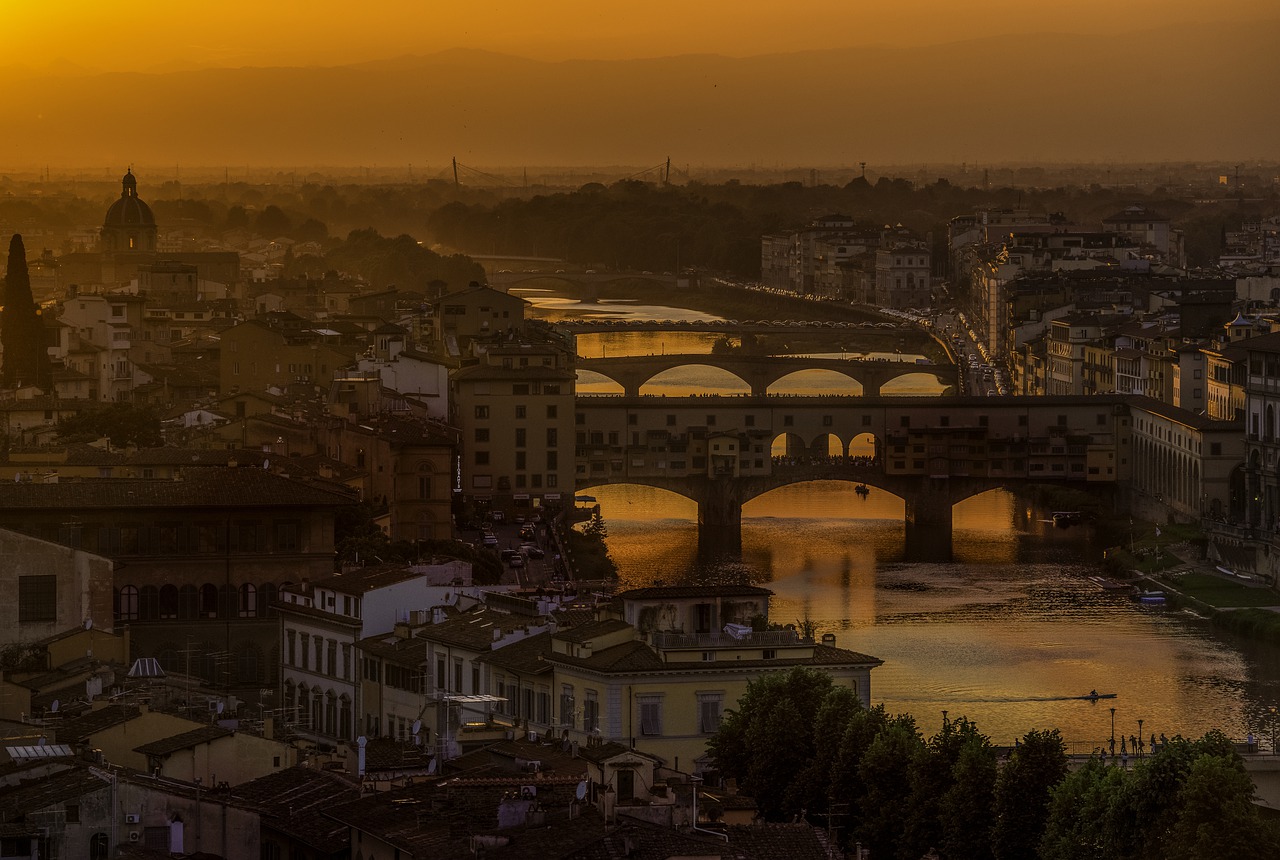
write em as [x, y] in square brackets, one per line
[658, 674]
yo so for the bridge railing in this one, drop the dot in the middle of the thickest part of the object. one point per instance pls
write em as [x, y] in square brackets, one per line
[720, 639]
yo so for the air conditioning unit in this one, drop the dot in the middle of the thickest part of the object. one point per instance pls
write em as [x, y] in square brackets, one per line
[134, 836]
[132, 818]
[533, 737]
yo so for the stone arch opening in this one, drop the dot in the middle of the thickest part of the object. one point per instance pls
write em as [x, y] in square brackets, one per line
[694, 379]
[917, 383]
[817, 381]
[827, 445]
[865, 445]
[787, 446]
[590, 382]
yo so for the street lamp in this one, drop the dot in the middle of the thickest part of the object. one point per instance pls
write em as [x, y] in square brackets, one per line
[1272, 709]
[1113, 732]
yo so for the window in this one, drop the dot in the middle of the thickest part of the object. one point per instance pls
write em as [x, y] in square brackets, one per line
[520, 437]
[521, 411]
[482, 434]
[482, 458]
[566, 706]
[553, 460]
[482, 412]
[38, 598]
[551, 412]
[709, 709]
[287, 536]
[553, 437]
[650, 715]
[750, 420]
[590, 712]
[671, 420]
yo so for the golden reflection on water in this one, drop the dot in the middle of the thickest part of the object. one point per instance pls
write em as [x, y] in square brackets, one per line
[1007, 634]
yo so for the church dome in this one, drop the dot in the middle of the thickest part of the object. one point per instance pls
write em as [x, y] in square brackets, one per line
[129, 225]
[129, 211]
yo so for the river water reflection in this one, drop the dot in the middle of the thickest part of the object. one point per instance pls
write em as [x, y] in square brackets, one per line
[1006, 634]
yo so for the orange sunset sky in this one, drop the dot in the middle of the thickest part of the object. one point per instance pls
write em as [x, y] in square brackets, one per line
[150, 35]
[298, 83]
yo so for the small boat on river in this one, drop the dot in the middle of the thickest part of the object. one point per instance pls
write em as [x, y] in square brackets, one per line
[1062, 519]
[1094, 695]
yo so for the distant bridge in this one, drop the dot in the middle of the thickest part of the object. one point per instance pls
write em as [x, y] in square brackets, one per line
[604, 323]
[762, 371]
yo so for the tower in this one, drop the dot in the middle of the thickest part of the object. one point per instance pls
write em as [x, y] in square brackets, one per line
[129, 225]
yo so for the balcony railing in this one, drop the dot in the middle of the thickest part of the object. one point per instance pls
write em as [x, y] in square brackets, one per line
[720, 639]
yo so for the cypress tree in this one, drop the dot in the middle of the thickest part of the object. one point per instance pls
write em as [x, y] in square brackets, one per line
[26, 360]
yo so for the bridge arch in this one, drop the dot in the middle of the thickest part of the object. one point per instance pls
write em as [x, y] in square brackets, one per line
[817, 381]
[723, 381]
[787, 445]
[864, 445]
[590, 382]
[915, 382]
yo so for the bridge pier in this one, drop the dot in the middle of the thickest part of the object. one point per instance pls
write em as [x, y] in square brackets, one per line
[719, 519]
[928, 517]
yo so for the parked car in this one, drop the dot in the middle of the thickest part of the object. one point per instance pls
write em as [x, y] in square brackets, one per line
[516, 560]
[490, 540]
[532, 550]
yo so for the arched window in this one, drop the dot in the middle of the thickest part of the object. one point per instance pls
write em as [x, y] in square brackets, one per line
[248, 600]
[128, 607]
[208, 600]
[266, 597]
[188, 602]
[168, 601]
[317, 710]
[99, 846]
[149, 603]
[330, 713]
[1271, 423]
[170, 658]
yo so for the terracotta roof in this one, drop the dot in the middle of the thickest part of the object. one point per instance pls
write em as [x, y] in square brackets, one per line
[589, 631]
[198, 488]
[186, 740]
[295, 802]
[82, 728]
[32, 795]
[524, 656]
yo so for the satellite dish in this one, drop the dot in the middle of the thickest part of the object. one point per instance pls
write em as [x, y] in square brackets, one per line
[361, 741]
[56, 704]
[266, 464]
[417, 726]
[221, 706]
[88, 624]
[581, 791]
[431, 768]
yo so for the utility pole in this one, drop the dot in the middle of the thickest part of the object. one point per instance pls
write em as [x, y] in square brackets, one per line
[455, 173]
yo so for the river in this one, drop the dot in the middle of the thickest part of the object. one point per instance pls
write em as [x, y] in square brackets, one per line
[1005, 635]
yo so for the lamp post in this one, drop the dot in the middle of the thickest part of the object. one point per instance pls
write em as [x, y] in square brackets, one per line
[1113, 732]
[1272, 709]
[1139, 738]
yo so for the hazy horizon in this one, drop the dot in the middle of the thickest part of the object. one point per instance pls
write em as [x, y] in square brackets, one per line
[827, 85]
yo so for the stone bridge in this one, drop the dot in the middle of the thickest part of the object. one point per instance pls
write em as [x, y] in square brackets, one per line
[761, 372]
[930, 451]
[505, 280]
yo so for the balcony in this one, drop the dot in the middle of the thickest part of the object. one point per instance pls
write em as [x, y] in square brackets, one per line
[720, 639]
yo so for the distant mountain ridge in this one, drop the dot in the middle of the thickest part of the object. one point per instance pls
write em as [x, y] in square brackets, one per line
[1175, 94]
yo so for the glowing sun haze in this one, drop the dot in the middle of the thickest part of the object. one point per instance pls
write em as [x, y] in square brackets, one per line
[149, 35]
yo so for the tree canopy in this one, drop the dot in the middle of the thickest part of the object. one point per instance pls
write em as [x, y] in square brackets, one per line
[803, 746]
[26, 354]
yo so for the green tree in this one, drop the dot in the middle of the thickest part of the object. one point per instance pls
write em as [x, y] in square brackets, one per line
[812, 787]
[932, 776]
[1082, 820]
[965, 811]
[766, 742]
[1219, 820]
[124, 425]
[885, 771]
[26, 356]
[1022, 793]
[845, 786]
